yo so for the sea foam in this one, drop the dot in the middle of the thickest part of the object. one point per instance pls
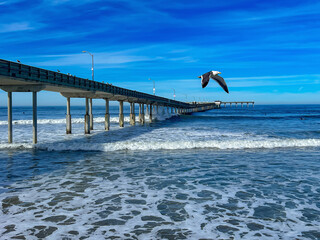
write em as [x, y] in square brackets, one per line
[166, 145]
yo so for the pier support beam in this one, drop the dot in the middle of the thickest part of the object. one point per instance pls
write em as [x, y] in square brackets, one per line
[132, 114]
[107, 117]
[121, 116]
[91, 115]
[87, 118]
[34, 117]
[150, 113]
[141, 113]
[68, 117]
[9, 117]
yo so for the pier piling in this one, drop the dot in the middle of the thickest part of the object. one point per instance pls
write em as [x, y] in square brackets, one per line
[107, 117]
[132, 114]
[150, 113]
[87, 118]
[9, 117]
[68, 117]
[121, 116]
[141, 113]
[34, 117]
[91, 115]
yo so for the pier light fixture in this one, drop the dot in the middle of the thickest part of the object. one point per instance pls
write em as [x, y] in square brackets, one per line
[174, 94]
[154, 87]
[92, 68]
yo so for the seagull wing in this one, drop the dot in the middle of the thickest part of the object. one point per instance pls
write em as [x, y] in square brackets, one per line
[221, 82]
[205, 79]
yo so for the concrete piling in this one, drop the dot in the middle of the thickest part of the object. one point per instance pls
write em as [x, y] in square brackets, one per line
[91, 115]
[87, 118]
[141, 113]
[9, 117]
[150, 113]
[107, 117]
[68, 117]
[132, 114]
[121, 116]
[34, 117]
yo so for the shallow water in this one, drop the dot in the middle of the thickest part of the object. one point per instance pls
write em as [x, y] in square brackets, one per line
[245, 173]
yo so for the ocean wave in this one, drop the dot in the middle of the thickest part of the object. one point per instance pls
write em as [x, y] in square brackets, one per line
[81, 120]
[168, 145]
[259, 117]
[63, 121]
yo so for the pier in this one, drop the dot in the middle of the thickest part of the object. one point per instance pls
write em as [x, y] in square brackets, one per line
[17, 77]
[247, 103]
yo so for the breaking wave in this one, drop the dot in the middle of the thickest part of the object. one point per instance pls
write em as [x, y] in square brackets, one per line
[167, 145]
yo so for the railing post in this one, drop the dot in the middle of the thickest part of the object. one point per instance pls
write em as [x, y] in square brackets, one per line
[68, 117]
[9, 117]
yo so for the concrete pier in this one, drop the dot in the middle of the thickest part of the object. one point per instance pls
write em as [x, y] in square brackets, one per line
[34, 117]
[17, 77]
[9, 117]
[107, 117]
[121, 116]
[68, 117]
[91, 115]
[141, 113]
[87, 118]
[132, 114]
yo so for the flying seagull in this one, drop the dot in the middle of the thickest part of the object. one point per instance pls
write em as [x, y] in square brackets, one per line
[214, 75]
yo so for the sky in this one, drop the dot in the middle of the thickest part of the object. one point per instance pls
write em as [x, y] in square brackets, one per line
[267, 51]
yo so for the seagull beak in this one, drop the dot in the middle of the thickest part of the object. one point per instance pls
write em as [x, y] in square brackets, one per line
[199, 77]
[219, 72]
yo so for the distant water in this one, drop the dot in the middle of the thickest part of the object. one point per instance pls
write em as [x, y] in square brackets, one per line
[229, 173]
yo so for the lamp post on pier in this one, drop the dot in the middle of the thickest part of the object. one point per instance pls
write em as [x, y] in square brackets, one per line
[154, 87]
[92, 68]
[174, 94]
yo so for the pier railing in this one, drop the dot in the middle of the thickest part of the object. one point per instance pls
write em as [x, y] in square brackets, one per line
[43, 76]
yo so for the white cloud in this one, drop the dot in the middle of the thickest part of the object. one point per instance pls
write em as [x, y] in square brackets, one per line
[15, 27]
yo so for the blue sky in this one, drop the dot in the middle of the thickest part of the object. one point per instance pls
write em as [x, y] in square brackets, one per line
[267, 51]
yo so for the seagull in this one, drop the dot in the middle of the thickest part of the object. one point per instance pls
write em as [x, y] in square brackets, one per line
[214, 75]
[58, 70]
[18, 61]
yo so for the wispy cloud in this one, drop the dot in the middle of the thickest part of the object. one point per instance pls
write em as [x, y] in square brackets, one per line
[15, 27]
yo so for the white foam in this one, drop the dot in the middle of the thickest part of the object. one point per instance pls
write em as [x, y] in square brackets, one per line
[159, 117]
[63, 121]
[175, 145]
[99, 191]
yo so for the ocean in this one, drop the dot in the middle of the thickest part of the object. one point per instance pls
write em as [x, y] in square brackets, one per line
[229, 173]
